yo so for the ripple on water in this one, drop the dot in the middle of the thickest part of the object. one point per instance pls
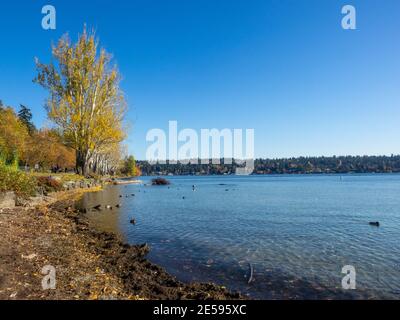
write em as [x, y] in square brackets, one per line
[296, 232]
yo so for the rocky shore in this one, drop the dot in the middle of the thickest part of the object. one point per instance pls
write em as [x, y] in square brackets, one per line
[88, 264]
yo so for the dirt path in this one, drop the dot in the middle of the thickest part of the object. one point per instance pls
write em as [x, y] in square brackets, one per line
[88, 264]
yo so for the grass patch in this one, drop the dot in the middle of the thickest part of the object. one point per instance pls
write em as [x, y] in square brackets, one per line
[62, 177]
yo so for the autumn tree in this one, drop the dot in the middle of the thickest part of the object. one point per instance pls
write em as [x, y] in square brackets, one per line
[47, 150]
[85, 102]
[107, 159]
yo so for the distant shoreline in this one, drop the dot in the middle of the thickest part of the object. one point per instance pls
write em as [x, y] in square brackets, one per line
[272, 174]
[300, 165]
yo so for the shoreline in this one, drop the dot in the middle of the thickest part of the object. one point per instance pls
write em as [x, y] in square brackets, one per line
[333, 174]
[89, 264]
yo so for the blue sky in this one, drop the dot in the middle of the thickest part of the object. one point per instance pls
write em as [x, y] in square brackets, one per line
[284, 68]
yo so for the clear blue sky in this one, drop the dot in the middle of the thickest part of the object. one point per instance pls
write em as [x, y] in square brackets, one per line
[285, 68]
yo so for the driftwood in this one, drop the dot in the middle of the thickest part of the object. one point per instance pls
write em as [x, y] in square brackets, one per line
[126, 182]
[251, 273]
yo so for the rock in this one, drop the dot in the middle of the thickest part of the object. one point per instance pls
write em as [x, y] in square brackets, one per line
[118, 206]
[143, 249]
[97, 207]
[7, 199]
[374, 223]
[160, 182]
[109, 207]
[32, 201]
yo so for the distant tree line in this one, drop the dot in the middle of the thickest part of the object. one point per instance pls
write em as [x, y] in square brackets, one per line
[301, 165]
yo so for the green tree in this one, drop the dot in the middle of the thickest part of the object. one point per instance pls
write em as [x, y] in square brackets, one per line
[130, 166]
[25, 116]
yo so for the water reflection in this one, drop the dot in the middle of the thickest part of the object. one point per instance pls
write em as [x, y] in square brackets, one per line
[296, 231]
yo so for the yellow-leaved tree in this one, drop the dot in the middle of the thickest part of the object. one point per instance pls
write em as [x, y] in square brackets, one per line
[85, 102]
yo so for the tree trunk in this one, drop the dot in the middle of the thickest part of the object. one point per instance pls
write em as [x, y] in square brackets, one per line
[80, 162]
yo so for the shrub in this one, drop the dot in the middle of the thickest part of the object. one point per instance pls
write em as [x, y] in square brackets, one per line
[130, 168]
[49, 184]
[159, 182]
[11, 179]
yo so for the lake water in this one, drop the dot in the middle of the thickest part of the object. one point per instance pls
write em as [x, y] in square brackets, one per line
[294, 233]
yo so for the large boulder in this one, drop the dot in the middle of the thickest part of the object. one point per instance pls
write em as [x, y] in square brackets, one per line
[7, 199]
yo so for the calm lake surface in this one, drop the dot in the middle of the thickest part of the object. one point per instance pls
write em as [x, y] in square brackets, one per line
[295, 232]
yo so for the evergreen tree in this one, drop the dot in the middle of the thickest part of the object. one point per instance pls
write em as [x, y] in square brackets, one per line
[25, 116]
